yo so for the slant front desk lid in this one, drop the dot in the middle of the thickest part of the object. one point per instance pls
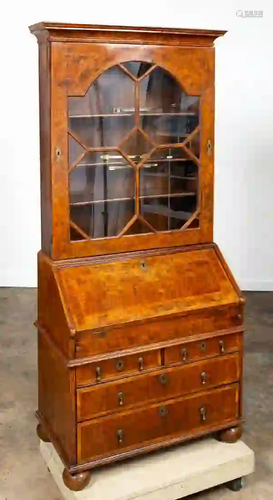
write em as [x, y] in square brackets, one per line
[98, 294]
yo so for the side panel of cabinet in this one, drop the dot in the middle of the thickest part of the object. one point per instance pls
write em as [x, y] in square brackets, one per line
[74, 67]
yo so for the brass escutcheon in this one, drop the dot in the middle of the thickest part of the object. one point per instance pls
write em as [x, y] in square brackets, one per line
[163, 411]
[163, 378]
[203, 346]
[119, 365]
[140, 364]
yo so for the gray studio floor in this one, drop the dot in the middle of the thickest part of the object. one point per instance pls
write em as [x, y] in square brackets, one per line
[24, 476]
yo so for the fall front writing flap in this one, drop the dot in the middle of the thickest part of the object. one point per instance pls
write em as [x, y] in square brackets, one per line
[103, 294]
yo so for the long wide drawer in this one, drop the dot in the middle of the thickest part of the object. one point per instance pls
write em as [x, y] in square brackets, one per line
[177, 417]
[110, 339]
[157, 385]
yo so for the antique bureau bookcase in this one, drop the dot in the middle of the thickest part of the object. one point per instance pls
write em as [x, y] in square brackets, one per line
[140, 321]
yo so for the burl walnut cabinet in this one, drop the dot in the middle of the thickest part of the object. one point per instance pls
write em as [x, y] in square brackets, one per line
[140, 321]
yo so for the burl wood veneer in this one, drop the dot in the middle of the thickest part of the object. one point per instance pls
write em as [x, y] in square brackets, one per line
[140, 321]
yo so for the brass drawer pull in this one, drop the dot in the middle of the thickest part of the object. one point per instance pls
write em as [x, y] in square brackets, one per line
[119, 365]
[120, 398]
[120, 435]
[98, 374]
[163, 379]
[222, 347]
[203, 346]
[203, 378]
[203, 414]
[140, 364]
[184, 355]
[163, 411]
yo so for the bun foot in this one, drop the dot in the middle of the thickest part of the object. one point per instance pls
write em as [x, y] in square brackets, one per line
[42, 434]
[76, 482]
[231, 435]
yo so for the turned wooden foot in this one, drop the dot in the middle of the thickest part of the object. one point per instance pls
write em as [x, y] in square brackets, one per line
[42, 434]
[231, 435]
[76, 482]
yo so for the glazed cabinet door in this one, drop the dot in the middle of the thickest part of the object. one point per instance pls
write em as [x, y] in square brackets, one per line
[132, 143]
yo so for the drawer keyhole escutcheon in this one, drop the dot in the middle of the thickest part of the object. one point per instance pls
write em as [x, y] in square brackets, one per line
[209, 147]
[120, 398]
[222, 346]
[120, 435]
[203, 378]
[163, 379]
[203, 346]
[140, 364]
[203, 414]
[184, 355]
[163, 411]
[120, 365]
[98, 374]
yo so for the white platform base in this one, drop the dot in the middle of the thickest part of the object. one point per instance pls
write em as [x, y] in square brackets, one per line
[169, 475]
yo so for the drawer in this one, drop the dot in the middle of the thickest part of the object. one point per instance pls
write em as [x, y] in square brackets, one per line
[158, 385]
[175, 418]
[117, 367]
[192, 351]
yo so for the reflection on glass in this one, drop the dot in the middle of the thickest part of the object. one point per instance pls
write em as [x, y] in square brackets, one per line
[101, 220]
[134, 116]
[168, 213]
[101, 176]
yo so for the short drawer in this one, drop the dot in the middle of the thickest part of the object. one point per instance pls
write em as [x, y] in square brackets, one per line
[158, 385]
[181, 417]
[111, 368]
[192, 351]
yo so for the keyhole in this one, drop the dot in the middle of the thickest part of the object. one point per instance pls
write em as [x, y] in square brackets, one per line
[143, 265]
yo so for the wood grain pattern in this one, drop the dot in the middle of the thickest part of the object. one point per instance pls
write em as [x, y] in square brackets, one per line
[124, 34]
[202, 283]
[159, 385]
[97, 438]
[119, 366]
[140, 336]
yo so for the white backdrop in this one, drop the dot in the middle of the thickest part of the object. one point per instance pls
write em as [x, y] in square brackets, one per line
[244, 125]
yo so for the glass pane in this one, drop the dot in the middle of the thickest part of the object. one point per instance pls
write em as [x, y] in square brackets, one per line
[75, 150]
[169, 172]
[168, 213]
[103, 187]
[136, 146]
[101, 176]
[137, 68]
[102, 117]
[167, 113]
[101, 220]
